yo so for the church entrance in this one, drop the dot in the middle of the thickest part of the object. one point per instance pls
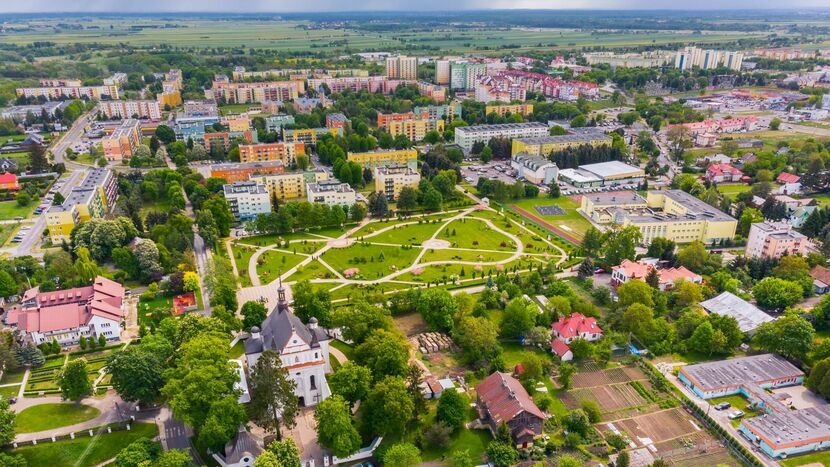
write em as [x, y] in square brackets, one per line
[302, 402]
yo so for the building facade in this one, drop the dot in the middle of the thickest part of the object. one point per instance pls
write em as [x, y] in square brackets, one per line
[292, 185]
[545, 145]
[247, 199]
[265, 152]
[240, 172]
[331, 193]
[123, 141]
[415, 130]
[402, 67]
[391, 179]
[466, 136]
[384, 157]
[774, 240]
[93, 198]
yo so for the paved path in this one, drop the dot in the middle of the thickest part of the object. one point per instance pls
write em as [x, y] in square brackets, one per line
[340, 356]
[112, 409]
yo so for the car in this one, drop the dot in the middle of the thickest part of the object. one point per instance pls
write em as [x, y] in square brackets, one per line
[723, 406]
[18, 218]
[736, 415]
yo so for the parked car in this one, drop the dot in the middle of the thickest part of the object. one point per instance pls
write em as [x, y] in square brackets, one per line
[736, 415]
[723, 406]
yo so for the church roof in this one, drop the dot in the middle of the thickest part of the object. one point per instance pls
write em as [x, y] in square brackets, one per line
[243, 445]
[277, 329]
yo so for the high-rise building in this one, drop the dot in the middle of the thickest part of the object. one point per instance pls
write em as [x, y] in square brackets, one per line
[389, 180]
[247, 200]
[402, 67]
[131, 109]
[123, 141]
[442, 72]
[93, 198]
[384, 157]
[464, 75]
[285, 152]
[415, 130]
[708, 59]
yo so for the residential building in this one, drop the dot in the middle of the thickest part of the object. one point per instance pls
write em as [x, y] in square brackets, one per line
[8, 182]
[402, 67]
[303, 349]
[748, 316]
[169, 99]
[722, 173]
[274, 123]
[728, 125]
[18, 113]
[671, 214]
[241, 93]
[546, 85]
[380, 84]
[123, 141]
[566, 330]
[247, 199]
[442, 72]
[611, 173]
[545, 145]
[172, 80]
[415, 130]
[384, 157]
[535, 169]
[790, 184]
[93, 198]
[116, 79]
[783, 54]
[68, 315]
[501, 399]
[216, 141]
[390, 179]
[503, 109]
[466, 136]
[331, 192]
[336, 120]
[774, 240]
[130, 109]
[499, 88]
[201, 108]
[666, 277]
[464, 75]
[432, 91]
[448, 112]
[821, 279]
[284, 152]
[70, 92]
[309, 135]
[689, 57]
[650, 59]
[239, 172]
[61, 82]
[290, 185]
[306, 105]
[236, 122]
[385, 119]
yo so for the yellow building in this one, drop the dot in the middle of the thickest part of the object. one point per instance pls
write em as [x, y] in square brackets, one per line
[502, 110]
[309, 135]
[384, 157]
[123, 141]
[263, 152]
[172, 99]
[93, 198]
[415, 130]
[544, 145]
[290, 185]
[237, 122]
[671, 214]
[389, 180]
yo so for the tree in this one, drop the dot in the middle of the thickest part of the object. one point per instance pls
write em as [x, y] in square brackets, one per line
[437, 307]
[586, 268]
[407, 199]
[791, 336]
[351, 381]
[190, 282]
[502, 454]
[701, 340]
[137, 370]
[775, 124]
[7, 417]
[30, 355]
[635, 291]
[302, 161]
[486, 155]
[8, 286]
[142, 451]
[285, 453]
[687, 293]
[694, 256]
[74, 382]
[592, 241]
[335, 430]
[312, 303]
[378, 206]
[389, 407]
[402, 455]
[254, 313]
[357, 322]
[749, 217]
[273, 402]
[773, 293]
[591, 409]
[385, 353]
[680, 139]
[462, 458]
[566, 371]
[165, 134]
[518, 318]
[452, 409]
[577, 421]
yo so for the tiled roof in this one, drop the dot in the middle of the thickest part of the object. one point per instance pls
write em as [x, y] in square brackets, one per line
[785, 177]
[820, 273]
[575, 324]
[504, 398]
[560, 348]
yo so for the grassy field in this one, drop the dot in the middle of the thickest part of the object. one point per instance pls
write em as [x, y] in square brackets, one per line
[10, 210]
[242, 257]
[733, 189]
[475, 234]
[816, 458]
[85, 451]
[312, 270]
[571, 222]
[367, 258]
[48, 416]
[271, 263]
[413, 234]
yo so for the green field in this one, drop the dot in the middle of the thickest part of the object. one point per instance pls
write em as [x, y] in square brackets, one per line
[312, 270]
[10, 210]
[733, 189]
[413, 234]
[571, 222]
[822, 458]
[85, 451]
[272, 263]
[475, 234]
[367, 258]
[48, 416]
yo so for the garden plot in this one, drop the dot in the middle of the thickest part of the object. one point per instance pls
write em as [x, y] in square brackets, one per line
[658, 426]
[590, 379]
[609, 398]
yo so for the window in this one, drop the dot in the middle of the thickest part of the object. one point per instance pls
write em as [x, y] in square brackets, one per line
[312, 382]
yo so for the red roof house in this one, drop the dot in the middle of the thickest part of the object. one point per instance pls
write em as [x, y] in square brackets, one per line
[8, 181]
[718, 173]
[628, 270]
[785, 177]
[502, 399]
[561, 349]
[576, 326]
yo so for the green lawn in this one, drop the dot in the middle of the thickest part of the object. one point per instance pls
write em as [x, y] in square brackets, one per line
[242, 257]
[271, 263]
[9, 391]
[238, 350]
[822, 457]
[12, 377]
[733, 188]
[85, 451]
[312, 270]
[822, 200]
[571, 221]
[347, 349]
[475, 234]
[48, 416]
[513, 353]
[10, 210]
[160, 306]
[373, 261]
[21, 157]
[413, 234]
[462, 255]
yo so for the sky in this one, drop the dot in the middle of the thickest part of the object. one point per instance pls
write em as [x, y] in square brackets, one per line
[252, 6]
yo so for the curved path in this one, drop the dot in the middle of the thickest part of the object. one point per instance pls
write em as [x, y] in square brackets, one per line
[108, 405]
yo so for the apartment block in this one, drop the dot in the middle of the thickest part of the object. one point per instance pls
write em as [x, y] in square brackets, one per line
[384, 157]
[380, 84]
[241, 93]
[169, 99]
[545, 145]
[274, 123]
[247, 200]
[690, 57]
[290, 185]
[285, 152]
[402, 67]
[442, 72]
[774, 240]
[464, 75]
[389, 180]
[61, 82]
[448, 112]
[116, 79]
[130, 109]
[236, 122]
[123, 141]
[331, 193]
[173, 80]
[240, 172]
[221, 140]
[93, 198]
[309, 135]
[502, 110]
[385, 119]
[70, 92]
[432, 91]
[415, 130]
[336, 120]
[201, 108]
[468, 135]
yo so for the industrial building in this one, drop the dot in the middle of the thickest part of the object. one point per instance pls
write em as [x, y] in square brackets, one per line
[535, 169]
[611, 173]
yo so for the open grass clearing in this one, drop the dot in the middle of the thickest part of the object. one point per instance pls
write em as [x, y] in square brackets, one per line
[413, 234]
[571, 222]
[10, 210]
[475, 234]
[48, 416]
[272, 263]
[463, 255]
[312, 270]
[372, 261]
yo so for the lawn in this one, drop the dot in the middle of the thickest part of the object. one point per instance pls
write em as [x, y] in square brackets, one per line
[312, 270]
[476, 235]
[271, 263]
[733, 188]
[10, 210]
[347, 349]
[238, 349]
[462, 255]
[513, 353]
[161, 305]
[822, 200]
[413, 234]
[9, 391]
[85, 451]
[822, 458]
[242, 257]
[373, 261]
[10, 377]
[48, 416]
[571, 221]
[268, 240]
[235, 108]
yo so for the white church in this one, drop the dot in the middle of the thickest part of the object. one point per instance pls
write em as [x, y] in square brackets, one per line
[304, 350]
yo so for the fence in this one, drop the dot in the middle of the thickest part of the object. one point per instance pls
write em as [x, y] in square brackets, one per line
[91, 432]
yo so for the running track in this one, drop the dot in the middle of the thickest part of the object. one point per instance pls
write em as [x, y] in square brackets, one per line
[544, 224]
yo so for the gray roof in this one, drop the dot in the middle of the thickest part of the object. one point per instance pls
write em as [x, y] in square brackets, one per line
[612, 168]
[532, 162]
[793, 426]
[740, 371]
[277, 329]
[569, 138]
[748, 315]
[244, 444]
[499, 126]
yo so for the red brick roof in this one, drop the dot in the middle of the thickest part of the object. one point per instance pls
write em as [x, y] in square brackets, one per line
[560, 348]
[785, 177]
[717, 170]
[505, 398]
[820, 273]
[575, 324]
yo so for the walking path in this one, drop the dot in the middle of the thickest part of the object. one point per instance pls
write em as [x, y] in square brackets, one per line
[112, 409]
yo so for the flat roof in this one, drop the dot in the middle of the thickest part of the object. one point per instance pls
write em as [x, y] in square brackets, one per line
[251, 188]
[748, 315]
[612, 169]
[578, 175]
[569, 138]
[697, 206]
[738, 371]
[613, 198]
[500, 126]
[797, 427]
